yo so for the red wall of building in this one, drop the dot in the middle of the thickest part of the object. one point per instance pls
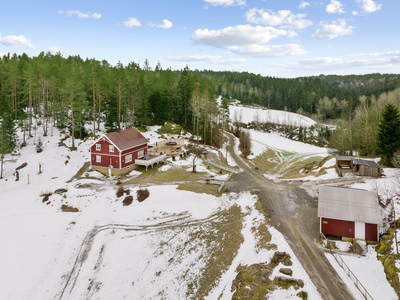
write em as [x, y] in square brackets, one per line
[112, 158]
[134, 152]
[337, 227]
[106, 156]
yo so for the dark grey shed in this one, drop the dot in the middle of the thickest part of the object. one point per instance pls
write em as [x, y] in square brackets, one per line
[367, 167]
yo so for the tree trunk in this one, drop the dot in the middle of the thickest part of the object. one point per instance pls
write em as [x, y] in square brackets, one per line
[73, 124]
[1, 172]
[30, 107]
[94, 109]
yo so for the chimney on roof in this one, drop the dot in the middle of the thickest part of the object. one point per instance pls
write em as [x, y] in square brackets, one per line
[116, 129]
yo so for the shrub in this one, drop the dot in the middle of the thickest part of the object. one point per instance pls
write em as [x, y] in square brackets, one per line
[142, 194]
[127, 201]
[39, 145]
[120, 191]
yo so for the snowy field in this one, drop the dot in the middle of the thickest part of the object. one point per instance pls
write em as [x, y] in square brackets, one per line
[107, 250]
[247, 115]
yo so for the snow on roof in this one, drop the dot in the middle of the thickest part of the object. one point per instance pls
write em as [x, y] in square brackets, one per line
[369, 163]
[127, 138]
[349, 205]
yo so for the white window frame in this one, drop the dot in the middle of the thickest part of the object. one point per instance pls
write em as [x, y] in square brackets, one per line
[98, 158]
[111, 148]
[98, 147]
[140, 154]
[128, 158]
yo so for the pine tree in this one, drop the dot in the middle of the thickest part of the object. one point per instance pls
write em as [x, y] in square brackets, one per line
[388, 139]
[7, 129]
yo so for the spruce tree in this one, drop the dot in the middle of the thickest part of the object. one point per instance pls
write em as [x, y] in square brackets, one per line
[388, 139]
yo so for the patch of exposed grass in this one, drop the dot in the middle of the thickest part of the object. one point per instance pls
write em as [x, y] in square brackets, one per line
[263, 237]
[81, 171]
[173, 174]
[223, 241]
[253, 282]
[267, 161]
[66, 208]
[200, 188]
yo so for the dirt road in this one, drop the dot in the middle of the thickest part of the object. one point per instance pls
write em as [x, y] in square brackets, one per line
[294, 213]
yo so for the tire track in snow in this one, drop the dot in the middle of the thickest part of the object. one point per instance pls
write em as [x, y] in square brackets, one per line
[88, 241]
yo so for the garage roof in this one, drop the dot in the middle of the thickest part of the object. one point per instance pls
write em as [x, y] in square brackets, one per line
[349, 205]
[338, 157]
[370, 163]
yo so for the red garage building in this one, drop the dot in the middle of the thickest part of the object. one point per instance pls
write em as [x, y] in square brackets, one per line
[115, 152]
[349, 213]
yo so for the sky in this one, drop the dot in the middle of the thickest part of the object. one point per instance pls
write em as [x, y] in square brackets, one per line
[286, 38]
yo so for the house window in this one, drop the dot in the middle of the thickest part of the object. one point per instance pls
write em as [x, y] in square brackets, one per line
[140, 154]
[128, 158]
[111, 148]
[98, 147]
[98, 158]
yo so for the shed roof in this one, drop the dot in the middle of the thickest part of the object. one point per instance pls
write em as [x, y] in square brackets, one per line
[349, 205]
[338, 157]
[126, 139]
[370, 163]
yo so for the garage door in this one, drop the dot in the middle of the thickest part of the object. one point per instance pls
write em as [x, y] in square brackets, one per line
[337, 227]
[371, 232]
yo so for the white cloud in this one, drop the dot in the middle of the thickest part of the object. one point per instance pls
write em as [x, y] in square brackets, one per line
[369, 6]
[80, 15]
[55, 49]
[337, 28]
[335, 7]
[284, 18]
[131, 22]
[303, 4]
[230, 61]
[16, 41]
[375, 54]
[240, 35]
[166, 24]
[226, 2]
[214, 59]
[194, 57]
[355, 13]
[270, 50]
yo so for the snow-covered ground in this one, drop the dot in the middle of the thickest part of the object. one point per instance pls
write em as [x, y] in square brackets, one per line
[278, 144]
[48, 254]
[248, 114]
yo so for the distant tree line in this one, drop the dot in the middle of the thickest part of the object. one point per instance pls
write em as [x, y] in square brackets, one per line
[72, 92]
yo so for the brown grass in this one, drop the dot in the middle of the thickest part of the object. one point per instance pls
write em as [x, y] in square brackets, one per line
[171, 175]
[66, 208]
[200, 188]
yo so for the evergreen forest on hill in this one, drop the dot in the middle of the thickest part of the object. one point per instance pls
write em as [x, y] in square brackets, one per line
[70, 92]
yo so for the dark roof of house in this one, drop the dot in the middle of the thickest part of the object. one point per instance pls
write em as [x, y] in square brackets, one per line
[347, 204]
[370, 163]
[126, 139]
[338, 157]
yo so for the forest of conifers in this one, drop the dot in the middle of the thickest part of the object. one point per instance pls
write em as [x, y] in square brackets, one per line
[73, 92]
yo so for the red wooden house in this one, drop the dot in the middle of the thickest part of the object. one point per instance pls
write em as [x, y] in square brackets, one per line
[115, 152]
[349, 213]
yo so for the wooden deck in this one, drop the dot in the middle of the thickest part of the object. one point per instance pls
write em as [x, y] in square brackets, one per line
[151, 161]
